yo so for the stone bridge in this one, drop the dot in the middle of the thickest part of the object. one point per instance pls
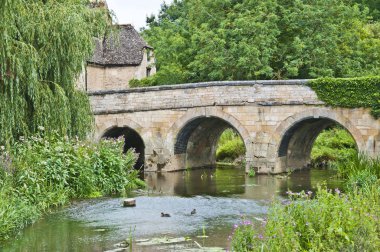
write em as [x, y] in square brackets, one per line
[176, 127]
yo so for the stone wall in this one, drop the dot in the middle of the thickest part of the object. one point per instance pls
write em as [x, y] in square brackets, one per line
[278, 121]
[100, 78]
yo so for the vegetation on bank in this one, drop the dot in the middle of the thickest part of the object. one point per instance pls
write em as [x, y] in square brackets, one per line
[44, 45]
[41, 172]
[333, 145]
[212, 40]
[230, 147]
[327, 221]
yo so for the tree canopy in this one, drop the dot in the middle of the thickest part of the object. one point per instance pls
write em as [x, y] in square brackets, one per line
[43, 47]
[206, 40]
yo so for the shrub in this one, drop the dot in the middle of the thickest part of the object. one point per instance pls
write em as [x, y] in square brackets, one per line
[40, 172]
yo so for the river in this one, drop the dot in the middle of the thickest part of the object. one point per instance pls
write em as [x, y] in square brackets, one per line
[222, 197]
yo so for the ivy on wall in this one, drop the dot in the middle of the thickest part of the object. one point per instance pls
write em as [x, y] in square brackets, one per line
[349, 92]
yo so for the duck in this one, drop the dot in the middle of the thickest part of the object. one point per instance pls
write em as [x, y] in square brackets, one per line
[165, 215]
[193, 212]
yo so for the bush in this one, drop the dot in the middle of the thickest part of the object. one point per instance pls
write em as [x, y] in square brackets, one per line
[330, 221]
[42, 172]
[167, 75]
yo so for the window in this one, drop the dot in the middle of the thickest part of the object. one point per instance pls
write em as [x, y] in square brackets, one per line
[148, 69]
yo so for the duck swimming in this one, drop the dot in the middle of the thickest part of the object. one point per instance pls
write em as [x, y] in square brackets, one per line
[194, 211]
[165, 215]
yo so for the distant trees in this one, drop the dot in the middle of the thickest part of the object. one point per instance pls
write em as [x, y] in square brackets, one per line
[204, 40]
[372, 5]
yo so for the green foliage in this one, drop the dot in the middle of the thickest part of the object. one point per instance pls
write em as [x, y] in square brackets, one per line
[349, 93]
[333, 145]
[372, 5]
[330, 221]
[251, 172]
[44, 45]
[39, 172]
[168, 74]
[213, 40]
[230, 146]
[359, 171]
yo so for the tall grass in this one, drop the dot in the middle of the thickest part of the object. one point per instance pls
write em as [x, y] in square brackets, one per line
[327, 221]
[43, 172]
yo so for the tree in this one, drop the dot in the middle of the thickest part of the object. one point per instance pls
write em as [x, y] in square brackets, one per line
[43, 46]
[262, 39]
[372, 5]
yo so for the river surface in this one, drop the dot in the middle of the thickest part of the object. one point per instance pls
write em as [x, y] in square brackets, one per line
[222, 197]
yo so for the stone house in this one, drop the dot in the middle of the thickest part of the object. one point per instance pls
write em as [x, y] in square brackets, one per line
[118, 59]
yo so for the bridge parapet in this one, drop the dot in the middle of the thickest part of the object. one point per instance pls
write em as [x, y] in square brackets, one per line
[237, 93]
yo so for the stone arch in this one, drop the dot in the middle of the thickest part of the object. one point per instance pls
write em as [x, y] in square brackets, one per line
[132, 139]
[194, 136]
[295, 136]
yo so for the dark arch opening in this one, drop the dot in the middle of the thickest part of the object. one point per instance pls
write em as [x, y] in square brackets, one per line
[132, 140]
[296, 145]
[197, 141]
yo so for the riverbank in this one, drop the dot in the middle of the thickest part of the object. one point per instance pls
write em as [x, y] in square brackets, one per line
[330, 220]
[42, 172]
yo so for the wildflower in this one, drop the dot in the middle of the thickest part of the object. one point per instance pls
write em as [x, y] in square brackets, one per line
[2, 147]
[41, 128]
[337, 191]
[261, 236]
[236, 226]
[309, 192]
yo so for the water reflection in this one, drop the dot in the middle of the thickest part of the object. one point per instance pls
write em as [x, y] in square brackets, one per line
[221, 196]
[227, 181]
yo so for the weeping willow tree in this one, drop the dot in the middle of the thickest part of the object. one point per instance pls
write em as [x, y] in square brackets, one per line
[43, 46]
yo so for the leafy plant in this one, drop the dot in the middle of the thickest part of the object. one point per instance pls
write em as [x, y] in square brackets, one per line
[328, 221]
[48, 171]
[251, 172]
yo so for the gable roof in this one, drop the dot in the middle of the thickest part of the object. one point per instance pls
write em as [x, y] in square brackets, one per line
[126, 48]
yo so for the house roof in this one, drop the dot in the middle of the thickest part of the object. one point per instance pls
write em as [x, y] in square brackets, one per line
[126, 48]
